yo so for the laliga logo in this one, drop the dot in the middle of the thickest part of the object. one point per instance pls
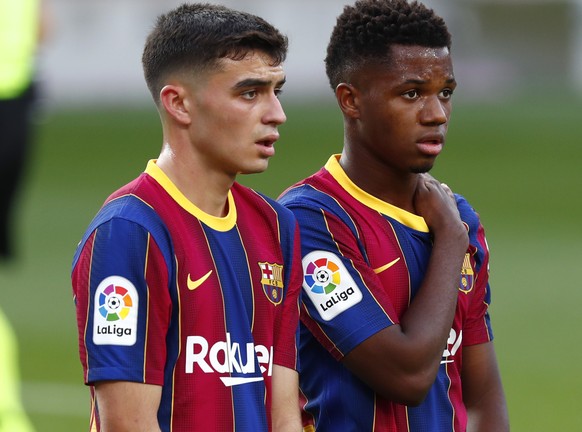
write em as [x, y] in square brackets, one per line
[322, 276]
[115, 317]
[328, 284]
[115, 303]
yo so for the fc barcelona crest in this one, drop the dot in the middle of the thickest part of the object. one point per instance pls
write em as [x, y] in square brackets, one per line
[467, 275]
[272, 281]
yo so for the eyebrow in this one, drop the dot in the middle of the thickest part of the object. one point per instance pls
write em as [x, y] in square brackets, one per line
[253, 82]
[420, 81]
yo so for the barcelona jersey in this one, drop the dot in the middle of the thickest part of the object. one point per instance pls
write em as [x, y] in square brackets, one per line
[203, 306]
[363, 262]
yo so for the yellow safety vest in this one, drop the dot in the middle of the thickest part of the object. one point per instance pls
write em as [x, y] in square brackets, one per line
[13, 418]
[19, 23]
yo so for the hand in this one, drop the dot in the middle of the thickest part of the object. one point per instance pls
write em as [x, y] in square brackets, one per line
[436, 203]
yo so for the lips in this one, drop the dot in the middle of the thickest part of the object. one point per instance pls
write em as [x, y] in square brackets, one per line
[269, 140]
[266, 144]
[431, 145]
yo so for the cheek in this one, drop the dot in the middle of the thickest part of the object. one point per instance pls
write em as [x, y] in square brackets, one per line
[220, 127]
[232, 118]
[392, 124]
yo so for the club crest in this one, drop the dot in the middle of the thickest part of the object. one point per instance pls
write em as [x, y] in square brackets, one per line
[467, 275]
[272, 281]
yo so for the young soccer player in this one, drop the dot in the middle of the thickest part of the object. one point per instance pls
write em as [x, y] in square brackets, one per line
[186, 283]
[395, 330]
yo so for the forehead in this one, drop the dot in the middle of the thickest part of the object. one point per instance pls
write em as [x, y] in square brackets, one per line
[414, 63]
[255, 64]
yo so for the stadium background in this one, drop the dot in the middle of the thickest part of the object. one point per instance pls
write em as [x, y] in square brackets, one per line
[513, 150]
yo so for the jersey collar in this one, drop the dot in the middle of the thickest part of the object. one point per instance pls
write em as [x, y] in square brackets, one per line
[217, 223]
[406, 218]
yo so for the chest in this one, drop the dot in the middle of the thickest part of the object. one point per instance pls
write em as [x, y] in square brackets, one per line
[399, 257]
[234, 276]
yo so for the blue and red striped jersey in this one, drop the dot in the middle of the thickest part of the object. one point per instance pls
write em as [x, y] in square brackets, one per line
[363, 262]
[203, 306]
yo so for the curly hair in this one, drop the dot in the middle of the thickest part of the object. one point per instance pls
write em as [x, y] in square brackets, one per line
[364, 33]
[194, 37]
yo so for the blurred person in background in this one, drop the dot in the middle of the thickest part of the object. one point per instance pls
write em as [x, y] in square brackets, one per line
[396, 334]
[22, 28]
[13, 418]
[186, 283]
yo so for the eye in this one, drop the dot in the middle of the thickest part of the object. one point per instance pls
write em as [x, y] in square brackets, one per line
[278, 92]
[411, 94]
[446, 93]
[249, 95]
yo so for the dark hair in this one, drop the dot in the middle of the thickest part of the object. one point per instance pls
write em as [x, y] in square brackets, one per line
[195, 37]
[364, 33]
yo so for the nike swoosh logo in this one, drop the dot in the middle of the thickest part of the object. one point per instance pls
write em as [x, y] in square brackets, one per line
[193, 284]
[386, 266]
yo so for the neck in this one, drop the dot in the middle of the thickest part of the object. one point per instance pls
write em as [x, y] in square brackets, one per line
[207, 189]
[396, 188]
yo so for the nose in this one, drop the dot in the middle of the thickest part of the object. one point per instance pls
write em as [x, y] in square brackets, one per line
[434, 112]
[275, 114]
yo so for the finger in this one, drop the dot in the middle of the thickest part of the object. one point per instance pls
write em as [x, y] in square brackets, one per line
[448, 190]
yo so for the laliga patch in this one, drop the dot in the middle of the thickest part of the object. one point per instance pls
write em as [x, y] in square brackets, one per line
[328, 284]
[115, 312]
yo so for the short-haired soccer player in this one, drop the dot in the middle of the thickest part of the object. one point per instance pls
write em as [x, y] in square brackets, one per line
[186, 283]
[396, 334]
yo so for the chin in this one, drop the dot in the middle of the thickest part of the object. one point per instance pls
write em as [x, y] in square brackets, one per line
[422, 169]
[256, 169]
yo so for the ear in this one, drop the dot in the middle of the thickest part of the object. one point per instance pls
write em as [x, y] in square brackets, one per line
[174, 101]
[348, 100]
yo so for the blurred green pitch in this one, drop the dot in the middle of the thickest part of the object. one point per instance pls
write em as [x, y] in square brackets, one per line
[516, 163]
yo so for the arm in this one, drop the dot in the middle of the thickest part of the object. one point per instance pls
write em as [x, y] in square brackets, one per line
[128, 406]
[482, 390]
[285, 415]
[401, 361]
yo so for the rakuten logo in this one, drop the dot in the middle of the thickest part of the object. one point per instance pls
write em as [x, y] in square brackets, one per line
[227, 357]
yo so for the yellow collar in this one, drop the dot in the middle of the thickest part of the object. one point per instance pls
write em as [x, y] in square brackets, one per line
[406, 218]
[217, 223]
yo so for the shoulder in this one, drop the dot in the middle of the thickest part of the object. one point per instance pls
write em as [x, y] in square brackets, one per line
[125, 215]
[129, 207]
[319, 195]
[468, 214]
[250, 200]
[319, 191]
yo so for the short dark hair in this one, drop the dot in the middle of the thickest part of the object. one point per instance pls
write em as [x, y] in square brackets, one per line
[194, 37]
[364, 33]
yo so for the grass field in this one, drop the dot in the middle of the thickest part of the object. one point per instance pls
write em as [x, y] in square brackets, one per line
[516, 163]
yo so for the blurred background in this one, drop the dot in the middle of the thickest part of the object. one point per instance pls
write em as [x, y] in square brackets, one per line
[513, 150]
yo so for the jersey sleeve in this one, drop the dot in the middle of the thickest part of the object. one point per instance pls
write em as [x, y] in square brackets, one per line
[287, 324]
[343, 302]
[477, 326]
[120, 286]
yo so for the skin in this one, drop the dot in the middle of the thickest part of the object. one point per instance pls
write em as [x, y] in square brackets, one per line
[285, 413]
[215, 126]
[396, 117]
[218, 125]
[391, 108]
[129, 406]
[483, 392]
